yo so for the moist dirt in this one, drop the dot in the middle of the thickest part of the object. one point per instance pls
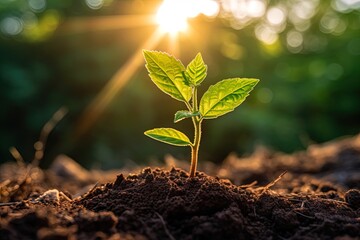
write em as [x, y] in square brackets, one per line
[313, 194]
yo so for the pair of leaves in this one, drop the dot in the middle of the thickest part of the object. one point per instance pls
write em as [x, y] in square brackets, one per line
[170, 75]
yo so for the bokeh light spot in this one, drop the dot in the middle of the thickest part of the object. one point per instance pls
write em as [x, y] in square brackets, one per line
[340, 28]
[11, 26]
[334, 71]
[255, 8]
[37, 5]
[305, 9]
[232, 51]
[50, 20]
[211, 8]
[266, 34]
[265, 95]
[275, 16]
[345, 5]
[329, 22]
[94, 4]
[294, 41]
[303, 25]
[30, 20]
[242, 12]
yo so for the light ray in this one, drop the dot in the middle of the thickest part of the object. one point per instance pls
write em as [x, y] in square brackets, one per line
[116, 83]
[173, 45]
[75, 25]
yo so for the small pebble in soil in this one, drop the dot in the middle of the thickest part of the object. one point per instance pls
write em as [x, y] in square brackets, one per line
[352, 197]
[51, 196]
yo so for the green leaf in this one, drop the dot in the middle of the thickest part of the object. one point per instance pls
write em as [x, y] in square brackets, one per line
[196, 70]
[180, 115]
[166, 72]
[169, 136]
[225, 96]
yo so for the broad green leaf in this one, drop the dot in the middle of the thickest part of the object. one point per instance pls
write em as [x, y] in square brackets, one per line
[196, 70]
[166, 72]
[169, 136]
[225, 96]
[180, 115]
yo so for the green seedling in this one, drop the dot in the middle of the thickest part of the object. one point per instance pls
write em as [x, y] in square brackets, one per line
[170, 75]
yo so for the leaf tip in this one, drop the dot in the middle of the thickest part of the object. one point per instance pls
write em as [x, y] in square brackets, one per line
[145, 52]
[255, 82]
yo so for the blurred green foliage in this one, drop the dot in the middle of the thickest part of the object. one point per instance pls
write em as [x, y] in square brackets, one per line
[308, 66]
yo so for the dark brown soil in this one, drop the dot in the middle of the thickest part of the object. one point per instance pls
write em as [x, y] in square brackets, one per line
[318, 198]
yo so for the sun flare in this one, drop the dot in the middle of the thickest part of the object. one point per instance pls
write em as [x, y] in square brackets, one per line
[173, 15]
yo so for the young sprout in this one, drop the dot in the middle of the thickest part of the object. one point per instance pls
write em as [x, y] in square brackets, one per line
[181, 83]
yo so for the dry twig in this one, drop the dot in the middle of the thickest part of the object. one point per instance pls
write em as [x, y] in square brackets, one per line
[39, 146]
[248, 185]
[17, 156]
[273, 182]
[8, 204]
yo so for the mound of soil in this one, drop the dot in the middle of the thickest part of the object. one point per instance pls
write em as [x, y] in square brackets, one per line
[161, 204]
[311, 201]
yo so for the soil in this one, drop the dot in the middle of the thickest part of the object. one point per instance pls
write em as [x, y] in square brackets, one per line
[313, 194]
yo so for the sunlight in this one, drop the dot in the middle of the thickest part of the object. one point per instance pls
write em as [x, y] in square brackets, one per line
[172, 15]
[116, 83]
